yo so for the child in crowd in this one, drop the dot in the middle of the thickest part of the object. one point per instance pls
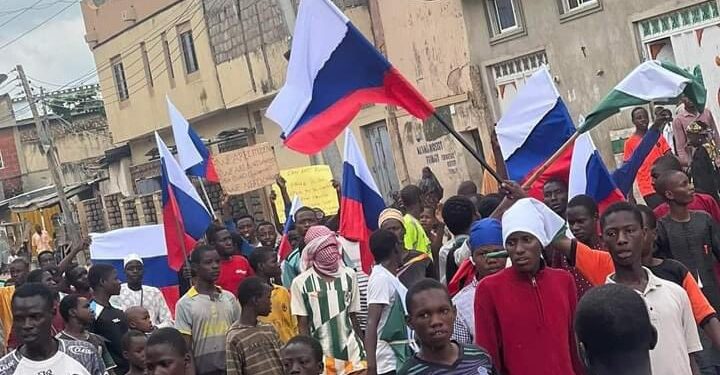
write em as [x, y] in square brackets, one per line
[75, 311]
[166, 352]
[431, 315]
[303, 355]
[427, 219]
[133, 346]
[253, 348]
[415, 236]
[386, 337]
[139, 319]
[264, 262]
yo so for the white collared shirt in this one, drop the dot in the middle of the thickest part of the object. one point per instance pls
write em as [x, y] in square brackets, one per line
[671, 315]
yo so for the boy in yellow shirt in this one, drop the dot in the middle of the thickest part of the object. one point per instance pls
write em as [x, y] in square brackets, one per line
[264, 262]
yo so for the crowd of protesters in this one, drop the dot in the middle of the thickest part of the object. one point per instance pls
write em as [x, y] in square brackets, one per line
[500, 283]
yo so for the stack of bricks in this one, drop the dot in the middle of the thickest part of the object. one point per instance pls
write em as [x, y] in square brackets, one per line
[94, 216]
[157, 200]
[112, 210]
[149, 212]
[256, 207]
[215, 194]
[130, 212]
[237, 206]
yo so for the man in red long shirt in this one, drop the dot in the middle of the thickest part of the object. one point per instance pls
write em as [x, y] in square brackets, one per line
[524, 314]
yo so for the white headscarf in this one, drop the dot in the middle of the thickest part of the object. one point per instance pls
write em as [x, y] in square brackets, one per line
[532, 216]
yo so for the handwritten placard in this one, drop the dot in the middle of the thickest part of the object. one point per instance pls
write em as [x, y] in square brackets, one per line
[313, 186]
[246, 169]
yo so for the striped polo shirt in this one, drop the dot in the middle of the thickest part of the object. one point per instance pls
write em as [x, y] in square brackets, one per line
[326, 303]
[207, 322]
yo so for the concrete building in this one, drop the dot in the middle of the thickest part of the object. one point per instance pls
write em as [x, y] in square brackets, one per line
[589, 46]
[80, 134]
[222, 62]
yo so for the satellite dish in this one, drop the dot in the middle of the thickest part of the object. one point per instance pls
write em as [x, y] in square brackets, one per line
[3, 78]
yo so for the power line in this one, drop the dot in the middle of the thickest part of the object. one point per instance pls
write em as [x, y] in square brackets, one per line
[33, 7]
[133, 46]
[20, 14]
[158, 41]
[155, 73]
[33, 79]
[37, 26]
[161, 53]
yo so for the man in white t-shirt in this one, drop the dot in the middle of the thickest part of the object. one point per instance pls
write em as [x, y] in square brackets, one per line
[33, 309]
[386, 338]
[667, 303]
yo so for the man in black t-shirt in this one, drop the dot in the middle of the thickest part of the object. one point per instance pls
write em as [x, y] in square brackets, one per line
[110, 322]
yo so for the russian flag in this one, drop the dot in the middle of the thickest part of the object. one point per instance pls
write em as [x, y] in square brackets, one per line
[284, 249]
[185, 217]
[334, 71]
[589, 175]
[194, 157]
[361, 202]
[147, 241]
[533, 127]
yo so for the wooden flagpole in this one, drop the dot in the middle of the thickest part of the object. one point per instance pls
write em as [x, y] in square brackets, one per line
[469, 148]
[207, 198]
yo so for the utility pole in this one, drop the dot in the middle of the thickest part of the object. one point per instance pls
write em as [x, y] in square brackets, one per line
[48, 148]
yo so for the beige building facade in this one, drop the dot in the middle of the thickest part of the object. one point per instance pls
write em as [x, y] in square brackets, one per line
[589, 46]
[222, 61]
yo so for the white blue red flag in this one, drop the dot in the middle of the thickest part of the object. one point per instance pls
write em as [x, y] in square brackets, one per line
[589, 175]
[535, 125]
[532, 128]
[361, 202]
[148, 242]
[185, 217]
[285, 248]
[334, 71]
[193, 155]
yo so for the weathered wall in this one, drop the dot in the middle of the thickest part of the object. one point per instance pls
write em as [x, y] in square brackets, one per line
[250, 39]
[10, 171]
[427, 42]
[78, 145]
[588, 52]
[6, 111]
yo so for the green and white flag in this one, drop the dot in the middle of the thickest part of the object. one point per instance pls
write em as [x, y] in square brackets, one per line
[651, 81]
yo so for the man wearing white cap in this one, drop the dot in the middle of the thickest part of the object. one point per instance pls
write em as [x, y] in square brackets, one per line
[133, 293]
[524, 314]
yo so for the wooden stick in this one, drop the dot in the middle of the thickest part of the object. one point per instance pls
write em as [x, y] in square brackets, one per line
[207, 198]
[531, 180]
[468, 147]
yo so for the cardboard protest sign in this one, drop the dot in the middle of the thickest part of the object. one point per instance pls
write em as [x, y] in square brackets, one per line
[246, 169]
[313, 185]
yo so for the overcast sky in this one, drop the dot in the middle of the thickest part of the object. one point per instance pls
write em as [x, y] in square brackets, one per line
[56, 52]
